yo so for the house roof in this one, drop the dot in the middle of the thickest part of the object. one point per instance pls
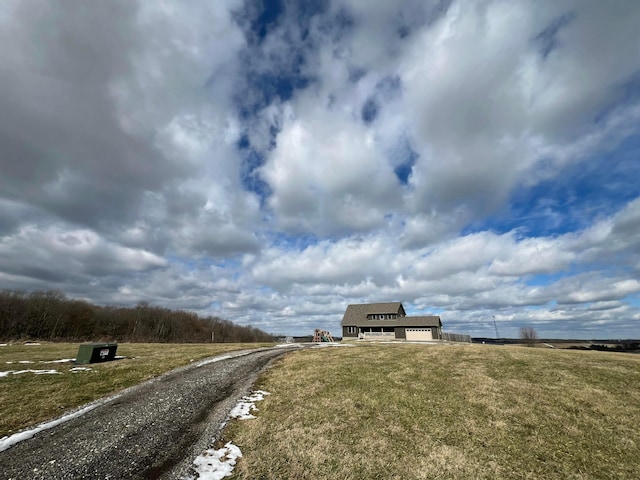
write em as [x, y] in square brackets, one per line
[420, 321]
[354, 314]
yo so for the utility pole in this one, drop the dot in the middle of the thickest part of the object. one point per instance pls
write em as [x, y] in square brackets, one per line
[495, 325]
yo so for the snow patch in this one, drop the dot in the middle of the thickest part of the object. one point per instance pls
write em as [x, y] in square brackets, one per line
[215, 464]
[37, 372]
[63, 360]
[332, 344]
[80, 369]
[7, 442]
[246, 405]
[4, 344]
[223, 357]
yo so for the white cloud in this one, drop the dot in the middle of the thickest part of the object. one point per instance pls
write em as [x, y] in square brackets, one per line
[326, 173]
[55, 253]
[534, 256]
[590, 288]
[123, 180]
[347, 261]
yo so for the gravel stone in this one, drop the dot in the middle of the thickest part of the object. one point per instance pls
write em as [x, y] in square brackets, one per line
[151, 431]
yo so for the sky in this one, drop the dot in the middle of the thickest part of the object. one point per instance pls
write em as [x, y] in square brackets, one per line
[271, 162]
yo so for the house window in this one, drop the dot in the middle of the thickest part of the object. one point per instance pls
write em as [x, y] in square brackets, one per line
[351, 329]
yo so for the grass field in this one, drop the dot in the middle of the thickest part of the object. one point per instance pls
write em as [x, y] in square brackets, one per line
[28, 399]
[436, 412]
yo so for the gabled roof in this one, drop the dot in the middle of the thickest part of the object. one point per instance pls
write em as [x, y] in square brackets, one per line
[356, 313]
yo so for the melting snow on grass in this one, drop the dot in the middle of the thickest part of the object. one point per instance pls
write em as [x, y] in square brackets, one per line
[37, 372]
[6, 442]
[242, 411]
[332, 344]
[216, 464]
[43, 372]
[80, 369]
[222, 357]
[63, 360]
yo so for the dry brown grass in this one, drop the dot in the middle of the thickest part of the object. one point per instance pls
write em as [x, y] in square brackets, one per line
[459, 412]
[27, 399]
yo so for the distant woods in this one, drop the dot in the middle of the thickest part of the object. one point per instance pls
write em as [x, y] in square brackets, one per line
[50, 315]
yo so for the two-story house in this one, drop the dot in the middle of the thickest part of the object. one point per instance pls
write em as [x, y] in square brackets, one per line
[388, 321]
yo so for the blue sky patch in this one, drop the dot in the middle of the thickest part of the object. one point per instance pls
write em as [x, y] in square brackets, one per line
[405, 158]
[542, 279]
[369, 111]
[249, 176]
[272, 9]
[572, 200]
[547, 40]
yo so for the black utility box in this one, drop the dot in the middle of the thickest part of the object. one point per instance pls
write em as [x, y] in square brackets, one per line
[96, 352]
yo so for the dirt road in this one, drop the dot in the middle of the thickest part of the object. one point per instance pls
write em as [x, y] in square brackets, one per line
[152, 431]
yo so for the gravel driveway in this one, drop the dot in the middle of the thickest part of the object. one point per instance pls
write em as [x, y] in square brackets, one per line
[151, 431]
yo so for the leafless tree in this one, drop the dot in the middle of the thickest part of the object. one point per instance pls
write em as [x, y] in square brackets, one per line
[529, 336]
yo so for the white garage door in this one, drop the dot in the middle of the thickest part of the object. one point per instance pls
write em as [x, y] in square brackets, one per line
[418, 334]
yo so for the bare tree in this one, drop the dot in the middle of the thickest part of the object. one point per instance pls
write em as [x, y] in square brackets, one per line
[529, 336]
[50, 315]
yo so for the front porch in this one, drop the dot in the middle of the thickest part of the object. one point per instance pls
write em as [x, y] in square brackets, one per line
[377, 333]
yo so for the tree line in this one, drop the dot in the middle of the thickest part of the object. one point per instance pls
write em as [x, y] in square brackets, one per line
[50, 315]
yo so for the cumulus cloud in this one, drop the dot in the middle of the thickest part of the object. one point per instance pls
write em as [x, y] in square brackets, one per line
[63, 256]
[108, 105]
[326, 175]
[270, 163]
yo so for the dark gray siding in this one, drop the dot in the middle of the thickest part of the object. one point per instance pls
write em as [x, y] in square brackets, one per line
[345, 332]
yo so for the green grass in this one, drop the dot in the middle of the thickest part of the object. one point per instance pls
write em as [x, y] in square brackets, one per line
[434, 412]
[27, 399]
